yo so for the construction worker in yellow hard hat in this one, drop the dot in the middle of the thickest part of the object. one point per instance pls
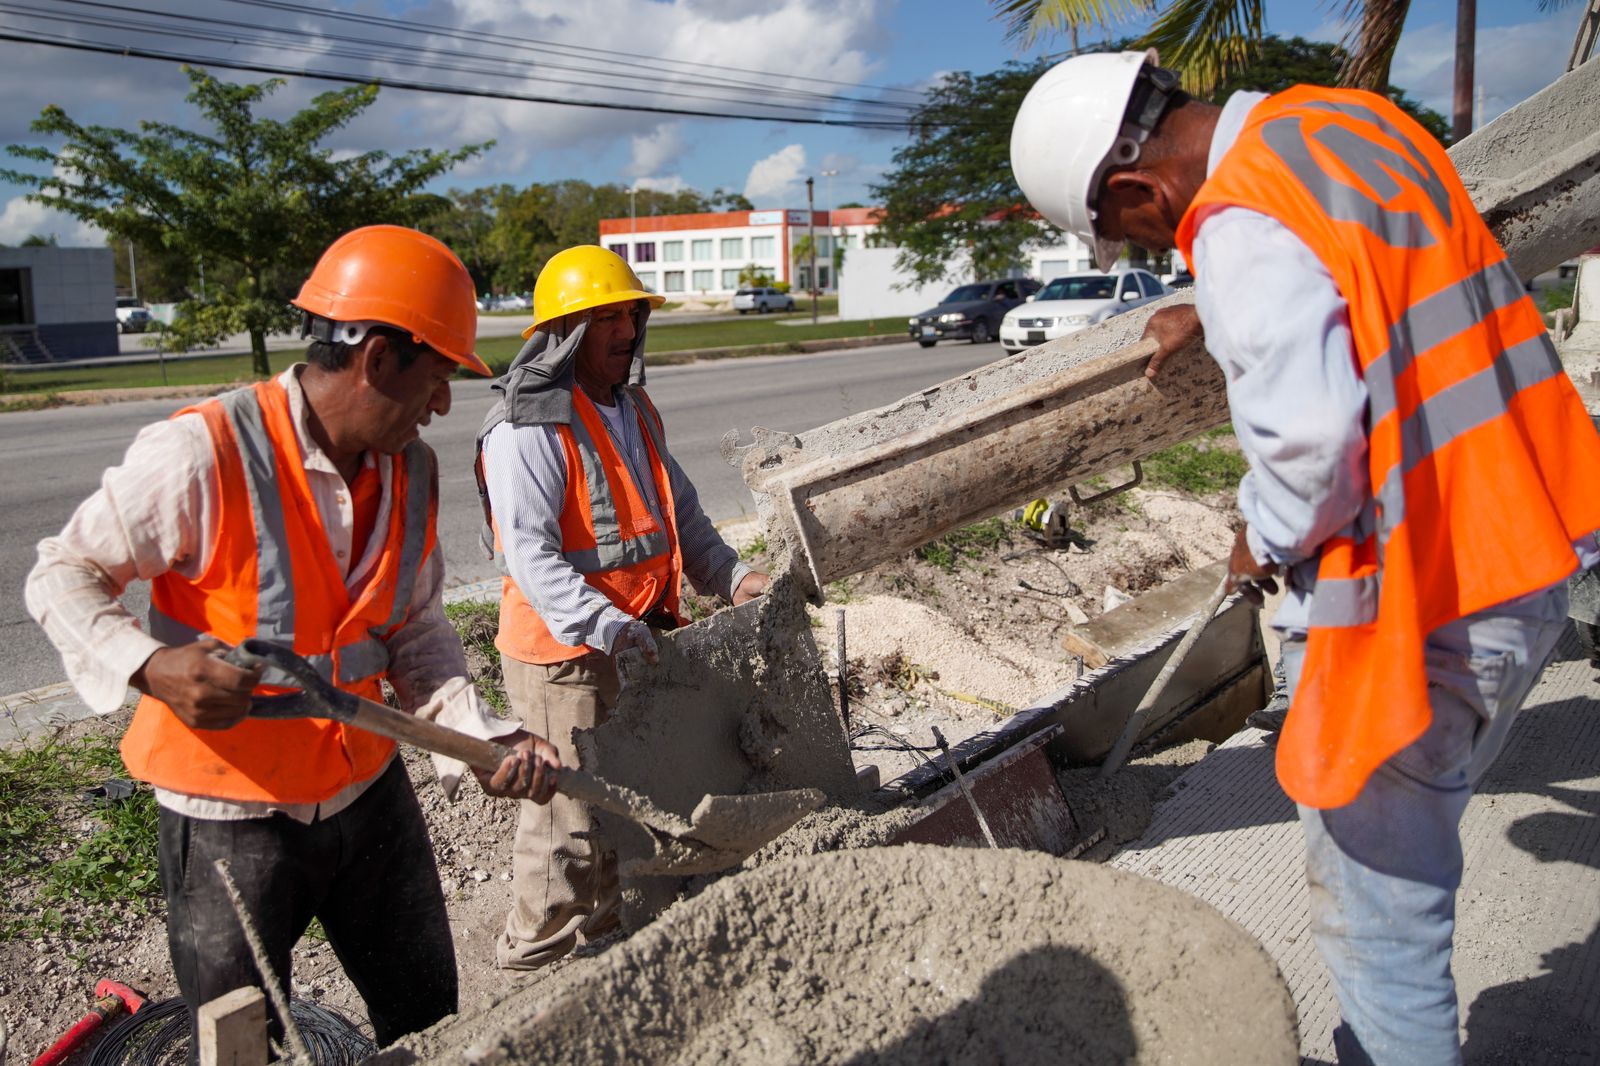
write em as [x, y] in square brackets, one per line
[299, 510]
[595, 525]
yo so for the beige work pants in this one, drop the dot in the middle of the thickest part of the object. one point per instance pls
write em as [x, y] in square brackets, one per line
[564, 886]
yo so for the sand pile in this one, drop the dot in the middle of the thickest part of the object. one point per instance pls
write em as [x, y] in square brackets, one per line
[914, 955]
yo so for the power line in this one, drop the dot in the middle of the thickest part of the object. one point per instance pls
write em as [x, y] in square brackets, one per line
[279, 70]
[411, 60]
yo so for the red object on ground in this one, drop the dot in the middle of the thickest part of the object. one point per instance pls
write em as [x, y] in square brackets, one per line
[111, 998]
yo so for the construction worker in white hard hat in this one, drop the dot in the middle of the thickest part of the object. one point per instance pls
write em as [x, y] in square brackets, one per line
[299, 510]
[595, 525]
[1421, 470]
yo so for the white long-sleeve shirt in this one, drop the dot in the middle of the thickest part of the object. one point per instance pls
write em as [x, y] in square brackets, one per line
[158, 512]
[526, 471]
[1278, 326]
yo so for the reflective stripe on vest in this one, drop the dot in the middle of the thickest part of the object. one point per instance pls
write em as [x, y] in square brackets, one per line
[1480, 458]
[611, 550]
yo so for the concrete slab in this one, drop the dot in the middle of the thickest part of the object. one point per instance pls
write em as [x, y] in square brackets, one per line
[1527, 957]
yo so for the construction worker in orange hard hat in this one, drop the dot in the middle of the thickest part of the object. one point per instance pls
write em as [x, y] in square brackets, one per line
[592, 563]
[299, 510]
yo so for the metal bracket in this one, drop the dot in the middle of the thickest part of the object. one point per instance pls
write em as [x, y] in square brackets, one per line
[1138, 476]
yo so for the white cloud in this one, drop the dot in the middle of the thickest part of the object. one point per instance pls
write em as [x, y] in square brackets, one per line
[1512, 62]
[22, 218]
[657, 150]
[670, 183]
[772, 180]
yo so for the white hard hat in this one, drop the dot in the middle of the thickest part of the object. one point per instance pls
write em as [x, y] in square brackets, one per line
[1070, 128]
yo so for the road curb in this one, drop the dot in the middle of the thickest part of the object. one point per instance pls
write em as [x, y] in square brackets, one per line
[95, 397]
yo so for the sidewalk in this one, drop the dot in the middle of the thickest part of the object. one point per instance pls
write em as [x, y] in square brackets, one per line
[1527, 958]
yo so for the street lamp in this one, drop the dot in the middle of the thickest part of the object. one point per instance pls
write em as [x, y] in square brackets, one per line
[833, 239]
[811, 222]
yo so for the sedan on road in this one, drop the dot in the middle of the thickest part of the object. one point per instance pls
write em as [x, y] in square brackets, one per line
[972, 312]
[1069, 304]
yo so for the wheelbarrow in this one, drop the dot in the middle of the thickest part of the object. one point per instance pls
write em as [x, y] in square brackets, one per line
[721, 832]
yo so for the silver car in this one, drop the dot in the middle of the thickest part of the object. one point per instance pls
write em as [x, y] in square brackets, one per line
[761, 300]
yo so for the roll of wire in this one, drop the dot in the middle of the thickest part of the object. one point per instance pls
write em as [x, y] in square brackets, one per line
[159, 1035]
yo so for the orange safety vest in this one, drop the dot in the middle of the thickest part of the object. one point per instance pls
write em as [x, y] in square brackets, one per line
[1481, 458]
[272, 575]
[607, 532]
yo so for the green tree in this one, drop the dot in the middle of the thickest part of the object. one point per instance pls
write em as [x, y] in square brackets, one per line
[38, 240]
[254, 195]
[466, 223]
[950, 191]
[752, 276]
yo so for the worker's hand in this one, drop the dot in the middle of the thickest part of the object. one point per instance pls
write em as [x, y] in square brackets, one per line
[1174, 328]
[753, 585]
[636, 635]
[1247, 576]
[203, 691]
[525, 773]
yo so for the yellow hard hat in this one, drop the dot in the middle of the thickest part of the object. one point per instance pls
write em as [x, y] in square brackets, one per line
[583, 277]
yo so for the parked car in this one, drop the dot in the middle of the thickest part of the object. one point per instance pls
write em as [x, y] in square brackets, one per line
[132, 316]
[1070, 303]
[762, 300]
[972, 312]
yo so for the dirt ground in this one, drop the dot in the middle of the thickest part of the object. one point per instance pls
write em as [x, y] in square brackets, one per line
[959, 636]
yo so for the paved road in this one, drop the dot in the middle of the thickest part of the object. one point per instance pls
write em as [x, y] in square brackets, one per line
[50, 460]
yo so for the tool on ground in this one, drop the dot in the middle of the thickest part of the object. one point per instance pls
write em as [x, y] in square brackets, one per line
[961, 782]
[722, 831]
[1044, 522]
[1130, 732]
[280, 1002]
[111, 998]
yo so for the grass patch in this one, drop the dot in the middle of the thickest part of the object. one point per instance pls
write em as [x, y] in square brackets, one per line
[1557, 296]
[968, 542]
[94, 862]
[202, 370]
[29, 402]
[478, 622]
[1201, 466]
[756, 547]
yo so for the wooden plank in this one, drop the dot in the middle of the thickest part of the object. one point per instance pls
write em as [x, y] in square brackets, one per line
[232, 1029]
[1142, 622]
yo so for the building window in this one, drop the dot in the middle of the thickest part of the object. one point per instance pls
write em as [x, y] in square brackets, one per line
[702, 280]
[644, 252]
[620, 249]
[700, 251]
[733, 247]
[674, 281]
[822, 276]
[672, 251]
[763, 247]
[647, 278]
[730, 279]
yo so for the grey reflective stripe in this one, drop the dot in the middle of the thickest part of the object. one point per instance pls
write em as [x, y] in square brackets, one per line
[501, 563]
[1344, 601]
[169, 630]
[1363, 159]
[623, 553]
[275, 571]
[360, 660]
[1343, 202]
[1433, 320]
[611, 550]
[419, 491]
[1466, 405]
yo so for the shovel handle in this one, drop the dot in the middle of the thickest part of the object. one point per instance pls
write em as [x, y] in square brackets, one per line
[430, 736]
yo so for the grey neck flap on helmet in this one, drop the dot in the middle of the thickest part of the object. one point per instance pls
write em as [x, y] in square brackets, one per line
[537, 389]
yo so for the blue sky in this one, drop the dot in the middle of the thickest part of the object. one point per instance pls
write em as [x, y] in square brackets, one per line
[904, 43]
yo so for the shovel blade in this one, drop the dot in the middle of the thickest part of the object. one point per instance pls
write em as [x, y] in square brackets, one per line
[724, 831]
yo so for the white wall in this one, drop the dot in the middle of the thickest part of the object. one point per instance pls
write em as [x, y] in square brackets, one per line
[867, 286]
[69, 285]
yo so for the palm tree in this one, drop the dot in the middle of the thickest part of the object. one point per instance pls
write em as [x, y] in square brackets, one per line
[1209, 39]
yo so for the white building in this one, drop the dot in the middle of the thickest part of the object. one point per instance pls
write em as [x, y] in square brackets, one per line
[704, 254]
[57, 303]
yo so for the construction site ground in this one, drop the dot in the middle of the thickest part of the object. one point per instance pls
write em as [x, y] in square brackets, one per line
[959, 635]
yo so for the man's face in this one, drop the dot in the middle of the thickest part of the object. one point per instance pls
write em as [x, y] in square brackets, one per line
[402, 401]
[1133, 206]
[607, 350]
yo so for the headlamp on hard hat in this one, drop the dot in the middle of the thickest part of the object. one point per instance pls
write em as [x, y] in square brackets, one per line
[1154, 91]
[349, 333]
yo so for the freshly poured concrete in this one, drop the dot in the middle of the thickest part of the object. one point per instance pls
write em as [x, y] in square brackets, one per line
[917, 955]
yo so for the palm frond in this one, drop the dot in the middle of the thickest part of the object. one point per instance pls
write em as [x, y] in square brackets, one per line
[1206, 40]
[1028, 20]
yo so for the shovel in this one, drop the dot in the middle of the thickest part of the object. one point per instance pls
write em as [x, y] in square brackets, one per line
[722, 832]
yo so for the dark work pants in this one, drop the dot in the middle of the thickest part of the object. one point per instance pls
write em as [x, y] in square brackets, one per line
[367, 872]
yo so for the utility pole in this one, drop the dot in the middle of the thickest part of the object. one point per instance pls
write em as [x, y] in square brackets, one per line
[133, 272]
[811, 223]
[1466, 46]
[833, 238]
[202, 281]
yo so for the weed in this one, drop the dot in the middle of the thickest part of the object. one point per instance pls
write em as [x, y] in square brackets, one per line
[756, 547]
[906, 675]
[1199, 467]
[29, 402]
[88, 880]
[839, 592]
[1557, 296]
[478, 622]
[968, 542]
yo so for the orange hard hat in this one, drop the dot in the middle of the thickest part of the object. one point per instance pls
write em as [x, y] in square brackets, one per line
[399, 277]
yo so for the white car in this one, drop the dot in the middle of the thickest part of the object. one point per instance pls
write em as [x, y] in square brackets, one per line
[132, 316]
[1071, 303]
[761, 300]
